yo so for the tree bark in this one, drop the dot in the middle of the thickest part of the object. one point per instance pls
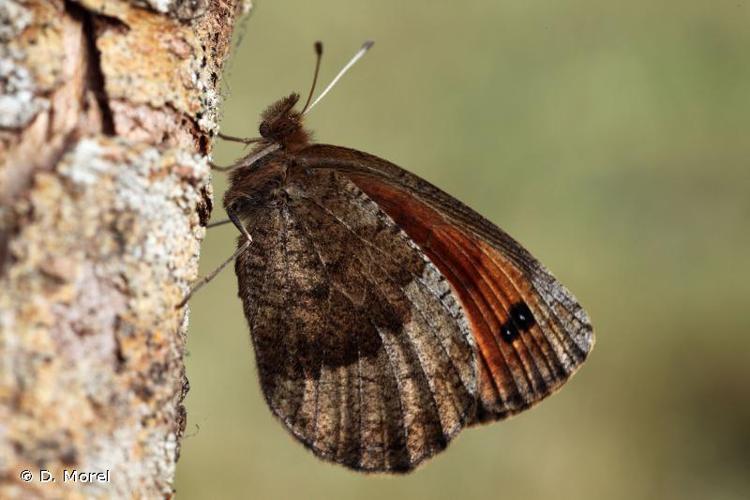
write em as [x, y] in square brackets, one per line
[107, 109]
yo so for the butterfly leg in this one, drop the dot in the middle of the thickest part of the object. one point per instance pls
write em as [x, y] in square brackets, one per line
[219, 168]
[232, 138]
[218, 223]
[207, 278]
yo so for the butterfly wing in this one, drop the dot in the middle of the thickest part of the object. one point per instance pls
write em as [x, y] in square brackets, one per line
[362, 350]
[530, 333]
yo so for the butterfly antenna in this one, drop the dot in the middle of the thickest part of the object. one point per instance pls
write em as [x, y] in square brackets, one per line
[318, 56]
[365, 47]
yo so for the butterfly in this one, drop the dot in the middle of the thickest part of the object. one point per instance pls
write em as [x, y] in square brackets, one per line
[385, 314]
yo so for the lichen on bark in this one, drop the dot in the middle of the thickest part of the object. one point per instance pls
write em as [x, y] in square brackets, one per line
[108, 109]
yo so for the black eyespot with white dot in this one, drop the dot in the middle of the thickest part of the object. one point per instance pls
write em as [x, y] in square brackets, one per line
[508, 331]
[521, 315]
[520, 320]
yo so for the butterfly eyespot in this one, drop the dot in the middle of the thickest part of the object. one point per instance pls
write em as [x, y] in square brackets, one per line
[508, 332]
[522, 316]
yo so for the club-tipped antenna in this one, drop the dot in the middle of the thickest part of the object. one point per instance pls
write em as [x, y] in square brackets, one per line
[365, 47]
[318, 56]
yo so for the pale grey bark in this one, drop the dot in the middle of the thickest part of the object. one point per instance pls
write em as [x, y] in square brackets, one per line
[107, 108]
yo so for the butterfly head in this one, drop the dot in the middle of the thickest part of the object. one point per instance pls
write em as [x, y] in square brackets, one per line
[282, 125]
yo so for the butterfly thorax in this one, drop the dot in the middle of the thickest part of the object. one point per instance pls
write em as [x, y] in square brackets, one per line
[257, 186]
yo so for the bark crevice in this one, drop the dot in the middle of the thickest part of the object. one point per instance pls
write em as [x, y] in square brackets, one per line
[94, 75]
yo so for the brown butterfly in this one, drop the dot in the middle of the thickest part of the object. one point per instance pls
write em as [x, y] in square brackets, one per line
[386, 315]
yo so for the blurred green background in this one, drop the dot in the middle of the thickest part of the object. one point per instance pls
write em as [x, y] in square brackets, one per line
[611, 139]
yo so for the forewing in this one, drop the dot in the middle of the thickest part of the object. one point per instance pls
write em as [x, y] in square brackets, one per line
[531, 334]
[362, 350]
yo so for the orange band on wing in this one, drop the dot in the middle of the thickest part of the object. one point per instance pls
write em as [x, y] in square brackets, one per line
[514, 368]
